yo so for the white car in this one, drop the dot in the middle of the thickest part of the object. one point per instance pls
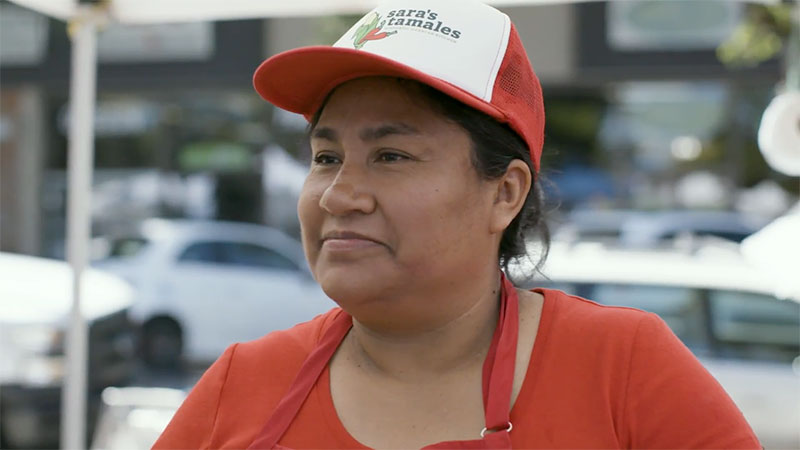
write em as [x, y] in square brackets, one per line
[202, 286]
[655, 228]
[35, 304]
[722, 308]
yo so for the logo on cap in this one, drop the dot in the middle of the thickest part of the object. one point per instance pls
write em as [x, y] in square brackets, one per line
[370, 30]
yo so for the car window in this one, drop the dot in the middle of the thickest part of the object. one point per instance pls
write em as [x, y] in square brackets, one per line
[734, 236]
[600, 235]
[127, 247]
[252, 255]
[568, 288]
[681, 308]
[544, 282]
[207, 252]
[754, 326]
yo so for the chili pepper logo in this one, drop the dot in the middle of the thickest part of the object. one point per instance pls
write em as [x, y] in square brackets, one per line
[370, 30]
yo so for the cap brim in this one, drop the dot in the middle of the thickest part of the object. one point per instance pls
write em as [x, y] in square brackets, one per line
[299, 80]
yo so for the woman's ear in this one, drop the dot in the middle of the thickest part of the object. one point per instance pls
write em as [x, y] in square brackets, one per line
[512, 190]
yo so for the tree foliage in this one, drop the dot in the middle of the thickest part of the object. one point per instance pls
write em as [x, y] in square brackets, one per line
[762, 35]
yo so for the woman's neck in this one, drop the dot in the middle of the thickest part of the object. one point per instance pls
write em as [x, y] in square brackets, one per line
[460, 341]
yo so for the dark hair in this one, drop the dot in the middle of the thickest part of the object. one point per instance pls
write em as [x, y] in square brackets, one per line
[494, 146]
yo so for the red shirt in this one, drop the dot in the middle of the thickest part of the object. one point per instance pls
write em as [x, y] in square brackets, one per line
[599, 376]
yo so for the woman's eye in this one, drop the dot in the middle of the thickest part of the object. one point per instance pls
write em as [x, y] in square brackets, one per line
[391, 157]
[325, 159]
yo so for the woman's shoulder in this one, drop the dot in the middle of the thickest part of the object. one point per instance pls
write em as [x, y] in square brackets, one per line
[234, 397]
[635, 381]
[595, 329]
[285, 346]
[588, 313]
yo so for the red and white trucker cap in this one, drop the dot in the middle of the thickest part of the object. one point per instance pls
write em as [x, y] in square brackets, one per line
[463, 48]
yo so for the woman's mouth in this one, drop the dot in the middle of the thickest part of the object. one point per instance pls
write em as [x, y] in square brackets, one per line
[344, 241]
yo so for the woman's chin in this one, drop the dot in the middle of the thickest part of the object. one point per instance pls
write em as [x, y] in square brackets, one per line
[358, 293]
[351, 285]
[374, 303]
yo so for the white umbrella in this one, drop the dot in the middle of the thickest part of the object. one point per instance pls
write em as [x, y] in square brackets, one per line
[84, 17]
[774, 249]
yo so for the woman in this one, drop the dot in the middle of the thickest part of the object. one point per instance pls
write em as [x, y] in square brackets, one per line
[425, 148]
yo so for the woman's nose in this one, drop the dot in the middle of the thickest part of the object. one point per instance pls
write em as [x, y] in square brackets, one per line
[347, 194]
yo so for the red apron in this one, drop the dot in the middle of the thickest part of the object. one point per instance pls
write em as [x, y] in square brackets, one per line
[498, 377]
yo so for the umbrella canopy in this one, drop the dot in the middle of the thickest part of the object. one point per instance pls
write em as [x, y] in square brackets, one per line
[159, 11]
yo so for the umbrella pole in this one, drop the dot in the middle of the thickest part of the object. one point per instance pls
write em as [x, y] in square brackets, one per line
[83, 32]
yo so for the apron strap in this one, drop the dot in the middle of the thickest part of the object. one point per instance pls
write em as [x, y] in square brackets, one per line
[498, 368]
[307, 376]
[498, 379]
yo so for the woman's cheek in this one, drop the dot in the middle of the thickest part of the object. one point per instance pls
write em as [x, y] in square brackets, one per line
[308, 203]
[309, 214]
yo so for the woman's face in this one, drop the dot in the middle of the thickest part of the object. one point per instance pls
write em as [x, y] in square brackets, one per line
[393, 213]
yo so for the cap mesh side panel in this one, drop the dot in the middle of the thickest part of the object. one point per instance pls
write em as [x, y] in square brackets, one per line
[517, 92]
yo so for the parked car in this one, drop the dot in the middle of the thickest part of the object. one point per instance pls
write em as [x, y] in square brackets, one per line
[653, 228]
[202, 286]
[35, 301]
[723, 309]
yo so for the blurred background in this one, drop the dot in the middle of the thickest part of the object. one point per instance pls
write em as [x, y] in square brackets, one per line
[654, 179]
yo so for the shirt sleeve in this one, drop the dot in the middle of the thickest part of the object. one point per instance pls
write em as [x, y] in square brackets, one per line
[193, 423]
[672, 401]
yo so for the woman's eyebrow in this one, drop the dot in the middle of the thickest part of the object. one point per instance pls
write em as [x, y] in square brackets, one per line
[371, 134]
[367, 134]
[329, 134]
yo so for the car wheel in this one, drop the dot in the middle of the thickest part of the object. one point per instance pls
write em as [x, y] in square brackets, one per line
[162, 343]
